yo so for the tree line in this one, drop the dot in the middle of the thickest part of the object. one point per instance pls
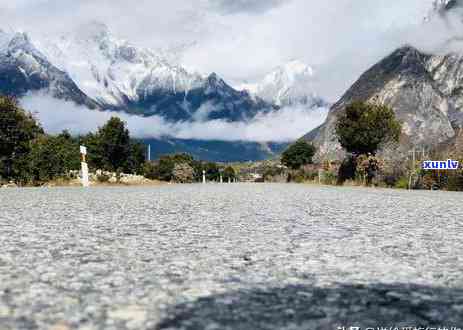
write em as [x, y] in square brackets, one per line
[30, 156]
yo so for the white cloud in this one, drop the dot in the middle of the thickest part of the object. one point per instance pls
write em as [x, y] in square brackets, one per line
[285, 125]
[244, 39]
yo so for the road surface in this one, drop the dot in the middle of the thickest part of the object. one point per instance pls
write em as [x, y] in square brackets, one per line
[238, 256]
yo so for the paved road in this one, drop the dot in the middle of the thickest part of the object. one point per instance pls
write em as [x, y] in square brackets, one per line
[229, 257]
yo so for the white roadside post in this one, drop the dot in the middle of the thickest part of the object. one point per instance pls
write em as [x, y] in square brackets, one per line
[83, 153]
[204, 176]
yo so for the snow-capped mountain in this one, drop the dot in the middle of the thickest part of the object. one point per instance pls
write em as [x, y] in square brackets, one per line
[288, 84]
[112, 71]
[23, 68]
[112, 74]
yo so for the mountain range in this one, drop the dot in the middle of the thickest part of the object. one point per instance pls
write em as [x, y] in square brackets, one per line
[93, 68]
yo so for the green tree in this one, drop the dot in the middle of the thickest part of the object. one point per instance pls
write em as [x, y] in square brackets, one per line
[137, 157]
[115, 145]
[17, 131]
[229, 173]
[95, 157]
[298, 155]
[182, 158]
[212, 171]
[165, 168]
[362, 127]
[198, 168]
[52, 157]
[112, 149]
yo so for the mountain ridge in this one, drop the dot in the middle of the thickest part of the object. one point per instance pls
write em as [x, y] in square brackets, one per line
[408, 81]
[96, 69]
[290, 84]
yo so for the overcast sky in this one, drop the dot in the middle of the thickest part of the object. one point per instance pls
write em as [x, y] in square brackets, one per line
[243, 39]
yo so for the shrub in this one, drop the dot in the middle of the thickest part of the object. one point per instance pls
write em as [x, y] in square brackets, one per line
[402, 183]
[103, 178]
[183, 173]
[330, 177]
[347, 170]
[150, 171]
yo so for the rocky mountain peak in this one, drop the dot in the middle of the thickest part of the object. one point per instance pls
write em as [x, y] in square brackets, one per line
[420, 88]
[289, 84]
[214, 81]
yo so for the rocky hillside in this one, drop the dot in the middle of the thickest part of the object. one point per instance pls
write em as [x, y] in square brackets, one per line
[425, 91]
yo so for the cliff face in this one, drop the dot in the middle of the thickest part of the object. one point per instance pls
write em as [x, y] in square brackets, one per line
[425, 91]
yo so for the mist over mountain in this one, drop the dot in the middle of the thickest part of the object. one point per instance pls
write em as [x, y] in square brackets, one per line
[61, 79]
[92, 67]
[171, 70]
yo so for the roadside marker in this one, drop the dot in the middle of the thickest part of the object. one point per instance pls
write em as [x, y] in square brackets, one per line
[83, 153]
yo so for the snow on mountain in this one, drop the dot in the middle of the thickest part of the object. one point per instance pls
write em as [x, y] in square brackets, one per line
[112, 71]
[289, 84]
[442, 7]
[23, 69]
[91, 66]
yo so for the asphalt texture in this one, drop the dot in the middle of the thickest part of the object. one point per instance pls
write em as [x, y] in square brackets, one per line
[231, 256]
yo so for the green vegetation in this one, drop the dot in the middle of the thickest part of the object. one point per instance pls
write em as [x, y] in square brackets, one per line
[29, 156]
[112, 149]
[229, 174]
[183, 168]
[298, 155]
[52, 157]
[18, 130]
[361, 129]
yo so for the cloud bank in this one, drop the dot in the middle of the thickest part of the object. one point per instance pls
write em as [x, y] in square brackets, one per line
[285, 125]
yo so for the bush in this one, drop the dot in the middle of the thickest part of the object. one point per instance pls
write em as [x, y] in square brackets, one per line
[330, 177]
[455, 181]
[103, 178]
[402, 183]
[347, 170]
[183, 173]
[229, 174]
[150, 171]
